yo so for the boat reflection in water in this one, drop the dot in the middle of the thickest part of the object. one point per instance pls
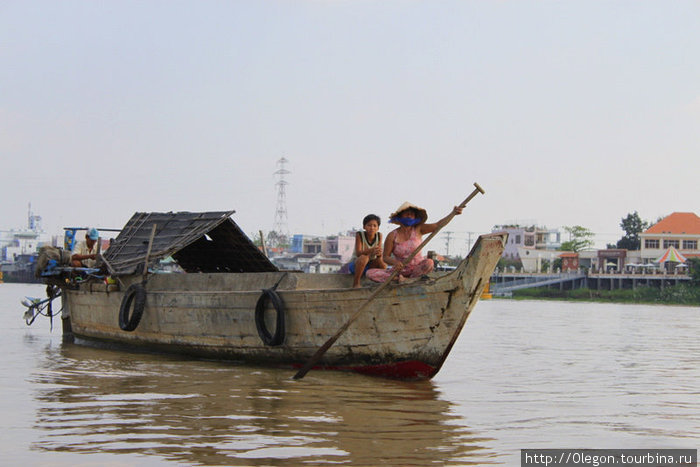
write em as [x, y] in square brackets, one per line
[100, 401]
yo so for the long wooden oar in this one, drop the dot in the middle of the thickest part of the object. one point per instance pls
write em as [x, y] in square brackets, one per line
[322, 350]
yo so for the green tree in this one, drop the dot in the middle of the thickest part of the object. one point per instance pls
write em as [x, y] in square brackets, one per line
[505, 263]
[633, 225]
[694, 269]
[580, 238]
[277, 240]
[557, 264]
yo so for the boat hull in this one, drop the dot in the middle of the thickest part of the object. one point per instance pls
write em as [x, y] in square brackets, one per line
[405, 332]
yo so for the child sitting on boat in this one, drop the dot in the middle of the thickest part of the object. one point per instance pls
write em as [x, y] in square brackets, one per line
[368, 249]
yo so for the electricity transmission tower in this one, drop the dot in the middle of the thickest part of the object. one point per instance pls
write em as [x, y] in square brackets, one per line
[280, 231]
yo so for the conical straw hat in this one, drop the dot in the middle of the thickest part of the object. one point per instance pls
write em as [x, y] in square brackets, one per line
[421, 213]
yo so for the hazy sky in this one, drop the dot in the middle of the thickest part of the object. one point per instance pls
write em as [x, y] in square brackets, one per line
[567, 113]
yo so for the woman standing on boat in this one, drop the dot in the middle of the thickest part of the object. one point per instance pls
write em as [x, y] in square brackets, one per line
[400, 243]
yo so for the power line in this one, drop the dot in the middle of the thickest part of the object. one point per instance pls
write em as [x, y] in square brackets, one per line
[447, 243]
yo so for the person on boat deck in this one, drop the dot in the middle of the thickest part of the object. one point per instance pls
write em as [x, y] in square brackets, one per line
[85, 252]
[401, 242]
[368, 249]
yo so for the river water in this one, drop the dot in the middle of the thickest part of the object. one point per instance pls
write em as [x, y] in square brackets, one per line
[523, 374]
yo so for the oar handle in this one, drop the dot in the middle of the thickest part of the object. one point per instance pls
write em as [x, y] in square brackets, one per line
[322, 350]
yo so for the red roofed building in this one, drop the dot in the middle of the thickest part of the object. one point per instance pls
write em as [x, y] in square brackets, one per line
[680, 230]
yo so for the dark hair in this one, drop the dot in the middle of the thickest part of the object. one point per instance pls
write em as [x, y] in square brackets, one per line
[371, 217]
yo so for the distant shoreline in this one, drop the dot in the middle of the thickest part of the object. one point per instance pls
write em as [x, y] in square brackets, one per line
[684, 294]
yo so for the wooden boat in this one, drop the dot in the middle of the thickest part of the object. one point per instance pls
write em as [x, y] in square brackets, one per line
[233, 303]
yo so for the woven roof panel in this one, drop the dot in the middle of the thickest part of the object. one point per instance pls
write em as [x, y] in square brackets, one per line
[200, 242]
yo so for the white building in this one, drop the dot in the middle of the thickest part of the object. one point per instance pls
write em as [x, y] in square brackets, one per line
[533, 259]
[522, 239]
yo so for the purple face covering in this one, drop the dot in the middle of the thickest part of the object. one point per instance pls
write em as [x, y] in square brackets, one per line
[407, 221]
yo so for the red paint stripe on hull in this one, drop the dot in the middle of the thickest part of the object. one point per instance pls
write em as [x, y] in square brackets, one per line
[408, 370]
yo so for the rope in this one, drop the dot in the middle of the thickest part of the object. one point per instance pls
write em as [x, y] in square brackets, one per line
[36, 308]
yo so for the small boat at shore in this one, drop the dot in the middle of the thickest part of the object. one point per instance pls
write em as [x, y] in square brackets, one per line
[233, 303]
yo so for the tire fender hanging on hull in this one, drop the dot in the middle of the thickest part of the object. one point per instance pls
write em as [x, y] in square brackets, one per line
[278, 337]
[135, 295]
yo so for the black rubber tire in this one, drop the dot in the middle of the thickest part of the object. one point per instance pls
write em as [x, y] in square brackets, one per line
[267, 338]
[135, 295]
